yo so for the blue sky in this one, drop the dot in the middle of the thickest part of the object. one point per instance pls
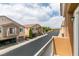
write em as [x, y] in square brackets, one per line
[45, 14]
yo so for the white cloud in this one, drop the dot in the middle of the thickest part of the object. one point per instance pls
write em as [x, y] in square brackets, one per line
[29, 13]
[54, 22]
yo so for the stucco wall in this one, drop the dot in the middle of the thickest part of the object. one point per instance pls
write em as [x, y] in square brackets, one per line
[62, 46]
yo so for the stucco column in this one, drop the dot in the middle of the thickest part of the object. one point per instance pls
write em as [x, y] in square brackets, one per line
[76, 32]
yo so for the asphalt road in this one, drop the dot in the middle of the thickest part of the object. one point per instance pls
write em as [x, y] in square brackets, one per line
[32, 48]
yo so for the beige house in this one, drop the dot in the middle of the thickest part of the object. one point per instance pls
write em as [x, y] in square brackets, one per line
[10, 29]
[36, 29]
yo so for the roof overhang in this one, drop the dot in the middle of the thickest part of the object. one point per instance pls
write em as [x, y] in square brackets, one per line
[71, 7]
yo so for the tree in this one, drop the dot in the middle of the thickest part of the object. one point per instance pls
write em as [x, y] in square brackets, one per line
[46, 29]
[30, 33]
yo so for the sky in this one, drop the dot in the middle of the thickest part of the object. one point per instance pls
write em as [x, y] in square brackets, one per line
[45, 14]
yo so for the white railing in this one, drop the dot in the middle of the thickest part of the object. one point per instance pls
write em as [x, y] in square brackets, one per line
[46, 50]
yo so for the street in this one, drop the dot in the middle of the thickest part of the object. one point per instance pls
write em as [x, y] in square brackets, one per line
[31, 48]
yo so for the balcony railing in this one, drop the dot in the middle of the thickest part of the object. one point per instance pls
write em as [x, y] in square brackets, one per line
[47, 49]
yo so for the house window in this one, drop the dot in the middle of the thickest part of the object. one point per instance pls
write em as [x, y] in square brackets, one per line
[21, 29]
[12, 31]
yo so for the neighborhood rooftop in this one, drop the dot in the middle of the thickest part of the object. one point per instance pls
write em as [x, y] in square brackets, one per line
[30, 25]
[4, 21]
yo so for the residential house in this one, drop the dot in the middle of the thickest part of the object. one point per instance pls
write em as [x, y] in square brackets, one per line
[68, 40]
[10, 29]
[36, 29]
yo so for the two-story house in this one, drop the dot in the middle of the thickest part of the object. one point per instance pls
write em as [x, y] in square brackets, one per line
[10, 29]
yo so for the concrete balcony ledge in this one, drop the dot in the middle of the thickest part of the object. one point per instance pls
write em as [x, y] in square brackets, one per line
[62, 46]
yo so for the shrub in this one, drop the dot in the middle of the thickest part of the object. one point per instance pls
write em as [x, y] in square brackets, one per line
[30, 33]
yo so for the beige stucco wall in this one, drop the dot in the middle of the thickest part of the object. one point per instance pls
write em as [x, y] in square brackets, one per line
[5, 34]
[27, 32]
[21, 34]
[64, 45]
